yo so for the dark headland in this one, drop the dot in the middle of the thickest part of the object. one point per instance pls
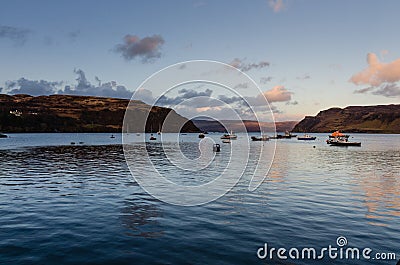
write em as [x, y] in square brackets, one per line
[356, 119]
[66, 113]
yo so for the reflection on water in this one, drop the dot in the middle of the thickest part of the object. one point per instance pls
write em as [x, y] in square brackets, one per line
[79, 204]
[377, 179]
[139, 217]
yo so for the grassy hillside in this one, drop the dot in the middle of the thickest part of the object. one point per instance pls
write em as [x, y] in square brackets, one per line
[65, 113]
[365, 119]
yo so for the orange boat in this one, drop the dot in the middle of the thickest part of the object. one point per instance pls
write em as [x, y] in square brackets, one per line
[338, 134]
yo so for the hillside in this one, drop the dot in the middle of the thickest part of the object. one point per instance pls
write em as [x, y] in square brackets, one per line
[65, 113]
[236, 126]
[363, 119]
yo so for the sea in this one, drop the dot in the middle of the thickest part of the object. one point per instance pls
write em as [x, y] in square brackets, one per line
[72, 199]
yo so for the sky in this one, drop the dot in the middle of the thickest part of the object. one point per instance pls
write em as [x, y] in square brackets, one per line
[305, 55]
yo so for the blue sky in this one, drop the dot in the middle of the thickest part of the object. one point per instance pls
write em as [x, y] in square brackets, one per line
[313, 48]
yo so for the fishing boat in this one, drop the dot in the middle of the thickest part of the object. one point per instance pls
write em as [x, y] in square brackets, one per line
[339, 139]
[306, 137]
[344, 143]
[201, 135]
[261, 138]
[287, 135]
[3, 135]
[230, 136]
[112, 136]
[152, 138]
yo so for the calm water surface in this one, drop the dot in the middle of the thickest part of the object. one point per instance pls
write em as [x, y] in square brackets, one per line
[78, 204]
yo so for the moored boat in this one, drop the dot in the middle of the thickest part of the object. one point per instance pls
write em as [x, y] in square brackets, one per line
[201, 135]
[339, 139]
[306, 137]
[3, 135]
[230, 136]
[261, 138]
[344, 143]
[287, 135]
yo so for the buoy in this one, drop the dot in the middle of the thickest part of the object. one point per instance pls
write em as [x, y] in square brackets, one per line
[216, 148]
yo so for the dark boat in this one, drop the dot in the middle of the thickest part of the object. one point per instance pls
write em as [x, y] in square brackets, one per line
[152, 138]
[344, 143]
[112, 136]
[3, 135]
[201, 135]
[306, 138]
[287, 135]
[216, 148]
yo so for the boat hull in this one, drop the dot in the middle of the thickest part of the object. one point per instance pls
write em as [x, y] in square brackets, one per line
[306, 138]
[344, 143]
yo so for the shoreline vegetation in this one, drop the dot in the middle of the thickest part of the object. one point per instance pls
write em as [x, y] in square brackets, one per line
[89, 114]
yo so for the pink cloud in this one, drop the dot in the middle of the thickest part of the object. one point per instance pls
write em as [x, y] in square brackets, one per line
[377, 72]
[278, 94]
[276, 5]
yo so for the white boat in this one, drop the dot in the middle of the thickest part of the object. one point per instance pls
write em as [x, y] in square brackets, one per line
[230, 136]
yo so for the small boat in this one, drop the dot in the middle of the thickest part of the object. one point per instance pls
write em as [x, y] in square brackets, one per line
[112, 136]
[287, 135]
[226, 141]
[261, 138]
[201, 135]
[339, 139]
[306, 137]
[230, 136]
[3, 135]
[138, 134]
[152, 138]
[216, 148]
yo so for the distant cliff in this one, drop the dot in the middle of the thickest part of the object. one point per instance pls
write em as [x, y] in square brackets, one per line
[363, 119]
[237, 126]
[65, 113]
